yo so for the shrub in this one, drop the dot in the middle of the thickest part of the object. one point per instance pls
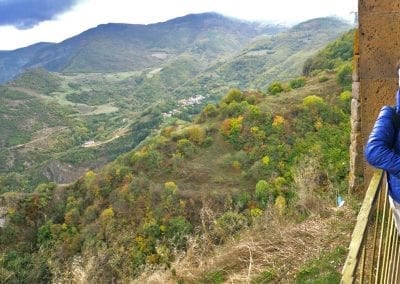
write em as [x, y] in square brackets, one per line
[234, 108]
[322, 78]
[233, 95]
[275, 88]
[170, 187]
[178, 230]
[251, 99]
[207, 142]
[344, 101]
[278, 121]
[209, 110]
[344, 75]
[231, 128]
[107, 215]
[345, 96]
[241, 200]
[257, 170]
[185, 147]
[253, 112]
[312, 100]
[229, 223]
[266, 160]
[196, 134]
[280, 204]
[262, 192]
[297, 83]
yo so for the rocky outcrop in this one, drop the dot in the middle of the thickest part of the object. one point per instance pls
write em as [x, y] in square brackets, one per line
[3, 215]
[65, 173]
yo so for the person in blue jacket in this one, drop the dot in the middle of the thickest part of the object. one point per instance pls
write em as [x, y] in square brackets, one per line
[383, 151]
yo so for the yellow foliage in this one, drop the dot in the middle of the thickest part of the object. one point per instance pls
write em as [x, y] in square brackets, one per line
[170, 187]
[69, 218]
[278, 121]
[255, 212]
[236, 165]
[280, 204]
[231, 125]
[196, 134]
[226, 126]
[107, 215]
[89, 178]
[281, 165]
[152, 259]
[167, 131]
[265, 160]
[141, 243]
[318, 124]
[254, 129]
[312, 101]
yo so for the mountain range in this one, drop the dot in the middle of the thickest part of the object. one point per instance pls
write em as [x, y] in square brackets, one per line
[126, 47]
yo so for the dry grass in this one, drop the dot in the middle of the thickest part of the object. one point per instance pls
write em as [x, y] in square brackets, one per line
[307, 178]
[273, 244]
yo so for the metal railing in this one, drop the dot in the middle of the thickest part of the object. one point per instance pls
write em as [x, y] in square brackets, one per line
[374, 249]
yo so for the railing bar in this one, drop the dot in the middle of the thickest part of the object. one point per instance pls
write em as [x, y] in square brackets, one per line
[396, 252]
[363, 253]
[380, 259]
[392, 250]
[360, 228]
[398, 260]
[374, 246]
[387, 247]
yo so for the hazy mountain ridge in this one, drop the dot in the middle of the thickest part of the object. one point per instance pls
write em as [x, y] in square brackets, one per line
[126, 47]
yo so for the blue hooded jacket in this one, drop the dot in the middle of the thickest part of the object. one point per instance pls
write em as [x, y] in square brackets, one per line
[383, 149]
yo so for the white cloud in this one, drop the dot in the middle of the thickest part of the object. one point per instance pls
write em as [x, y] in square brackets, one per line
[90, 13]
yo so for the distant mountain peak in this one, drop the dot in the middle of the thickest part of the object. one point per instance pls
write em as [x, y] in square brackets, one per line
[320, 23]
[196, 17]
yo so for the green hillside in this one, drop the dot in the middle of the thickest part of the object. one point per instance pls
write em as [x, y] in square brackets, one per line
[118, 110]
[253, 167]
[45, 126]
[267, 59]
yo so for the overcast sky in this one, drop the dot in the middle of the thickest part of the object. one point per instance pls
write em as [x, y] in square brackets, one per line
[25, 22]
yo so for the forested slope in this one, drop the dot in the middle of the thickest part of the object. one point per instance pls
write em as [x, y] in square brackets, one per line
[252, 157]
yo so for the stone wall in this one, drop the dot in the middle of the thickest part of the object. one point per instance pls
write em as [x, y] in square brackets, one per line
[377, 50]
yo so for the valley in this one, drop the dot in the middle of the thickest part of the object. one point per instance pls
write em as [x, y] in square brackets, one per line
[209, 154]
[105, 106]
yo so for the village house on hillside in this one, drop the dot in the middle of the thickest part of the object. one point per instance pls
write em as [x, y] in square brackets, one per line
[194, 100]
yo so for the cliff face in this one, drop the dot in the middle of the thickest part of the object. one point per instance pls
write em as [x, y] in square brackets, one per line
[64, 173]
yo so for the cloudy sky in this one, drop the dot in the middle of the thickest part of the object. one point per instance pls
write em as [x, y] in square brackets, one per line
[24, 22]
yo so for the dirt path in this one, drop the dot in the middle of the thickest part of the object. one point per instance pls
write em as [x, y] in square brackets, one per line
[58, 129]
[30, 92]
[117, 134]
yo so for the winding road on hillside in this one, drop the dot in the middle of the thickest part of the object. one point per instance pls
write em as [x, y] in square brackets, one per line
[59, 129]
